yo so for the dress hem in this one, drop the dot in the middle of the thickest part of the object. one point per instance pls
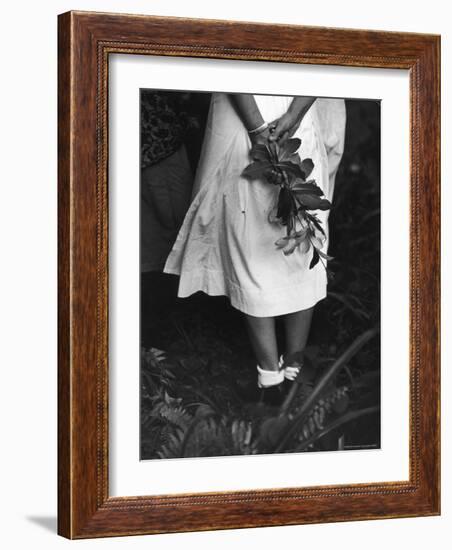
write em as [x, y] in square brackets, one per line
[308, 295]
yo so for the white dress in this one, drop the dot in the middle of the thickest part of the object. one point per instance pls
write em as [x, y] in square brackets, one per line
[226, 243]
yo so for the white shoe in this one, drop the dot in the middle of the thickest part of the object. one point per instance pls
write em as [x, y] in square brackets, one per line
[291, 371]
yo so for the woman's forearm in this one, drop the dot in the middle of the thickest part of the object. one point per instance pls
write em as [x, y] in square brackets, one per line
[300, 105]
[248, 110]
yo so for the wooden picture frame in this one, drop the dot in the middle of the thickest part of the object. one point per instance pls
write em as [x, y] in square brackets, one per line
[85, 42]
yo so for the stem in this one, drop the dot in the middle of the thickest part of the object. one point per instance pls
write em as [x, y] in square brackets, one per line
[353, 415]
[290, 397]
[335, 367]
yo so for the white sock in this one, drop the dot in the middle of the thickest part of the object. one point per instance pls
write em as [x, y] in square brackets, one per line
[267, 378]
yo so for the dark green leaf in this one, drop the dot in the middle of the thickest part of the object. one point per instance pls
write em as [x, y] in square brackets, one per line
[259, 151]
[256, 170]
[290, 168]
[324, 205]
[325, 256]
[313, 202]
[316, 222]
[306, 167]
[285, 206]
[295, 158]
[309, 188]
[288, 148]
[315, 258]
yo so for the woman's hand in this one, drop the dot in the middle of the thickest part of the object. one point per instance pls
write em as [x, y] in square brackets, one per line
[285, 126]
[261, 137]
[288, 123]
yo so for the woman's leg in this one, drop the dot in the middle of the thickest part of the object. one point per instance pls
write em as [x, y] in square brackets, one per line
[263, 340]
[297, 327]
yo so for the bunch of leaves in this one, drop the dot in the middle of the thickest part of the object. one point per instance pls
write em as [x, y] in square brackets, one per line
[196, 375]
[298, 197]
[160, 412]
[200, 414]
[209, 434]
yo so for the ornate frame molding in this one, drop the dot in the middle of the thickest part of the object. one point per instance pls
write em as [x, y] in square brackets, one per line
[85, 42]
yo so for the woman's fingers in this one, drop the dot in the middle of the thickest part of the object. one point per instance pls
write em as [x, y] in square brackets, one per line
[271, 129]
[275, 134]
[283, 128]
[272, 125]
[281, 125]
[288, 133]
[284, 137]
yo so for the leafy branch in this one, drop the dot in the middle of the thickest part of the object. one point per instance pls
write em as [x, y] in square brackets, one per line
[298, 197]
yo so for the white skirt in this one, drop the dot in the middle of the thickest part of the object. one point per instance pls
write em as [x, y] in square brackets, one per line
[226, 245]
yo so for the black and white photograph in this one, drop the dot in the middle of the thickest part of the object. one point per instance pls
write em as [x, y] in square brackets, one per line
[260, 274]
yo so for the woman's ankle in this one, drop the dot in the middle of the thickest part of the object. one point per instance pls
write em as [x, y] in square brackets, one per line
[293, 354]
[267, 378]
[269, 365]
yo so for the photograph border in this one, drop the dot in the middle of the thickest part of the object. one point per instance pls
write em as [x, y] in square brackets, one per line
[85, 41]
